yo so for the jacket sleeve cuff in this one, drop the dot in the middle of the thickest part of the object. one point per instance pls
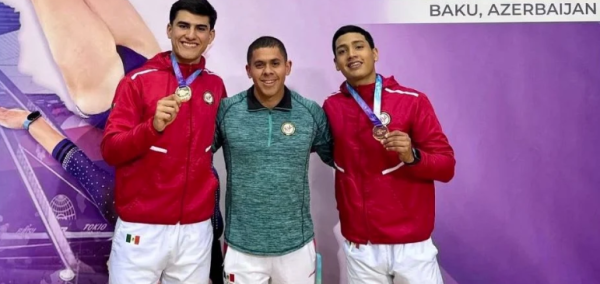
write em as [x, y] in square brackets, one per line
[151, 130]
[417, 160]
[429, 168]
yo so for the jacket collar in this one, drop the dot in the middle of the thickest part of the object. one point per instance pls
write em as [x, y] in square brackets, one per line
[162, 61]
[366, 91]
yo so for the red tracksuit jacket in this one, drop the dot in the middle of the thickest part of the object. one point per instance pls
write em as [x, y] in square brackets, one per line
[163, 178]
[379, 199]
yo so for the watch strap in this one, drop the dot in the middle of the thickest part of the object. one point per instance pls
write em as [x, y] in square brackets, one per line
[30, 119]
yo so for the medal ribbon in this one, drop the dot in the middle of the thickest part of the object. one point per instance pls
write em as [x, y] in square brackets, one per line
[373, 115]
[180, 80]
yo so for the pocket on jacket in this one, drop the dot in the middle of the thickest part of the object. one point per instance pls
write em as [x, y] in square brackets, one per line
[340, 169]
[158, 171]
[158, 149]
[345, 191]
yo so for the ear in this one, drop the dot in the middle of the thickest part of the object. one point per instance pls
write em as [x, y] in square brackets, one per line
[248, 71]
[288, 67]
[169, 30]
[375, 54]
[335, 63]
[211, 36]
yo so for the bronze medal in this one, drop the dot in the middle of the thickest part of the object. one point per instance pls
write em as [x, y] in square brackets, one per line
[379, 132]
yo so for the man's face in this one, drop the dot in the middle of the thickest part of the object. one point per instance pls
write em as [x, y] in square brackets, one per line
[190, 35]
[354, 57]
[268, 69]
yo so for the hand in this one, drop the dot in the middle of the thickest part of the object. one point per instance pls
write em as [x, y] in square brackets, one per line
[399, 142]
[13, 118]
[166, 112]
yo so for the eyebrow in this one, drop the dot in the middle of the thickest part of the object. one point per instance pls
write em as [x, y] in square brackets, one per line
[268, 60]
[353, 42]
[188, 24]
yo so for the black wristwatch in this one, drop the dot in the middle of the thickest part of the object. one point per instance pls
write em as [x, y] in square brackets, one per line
[30, 119]
[416, 155]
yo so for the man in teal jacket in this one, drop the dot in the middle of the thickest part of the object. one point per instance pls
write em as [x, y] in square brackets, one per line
[267, 133]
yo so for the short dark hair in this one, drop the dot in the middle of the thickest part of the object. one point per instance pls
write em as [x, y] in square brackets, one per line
[196, 7]
[351, 29]
[266, 41]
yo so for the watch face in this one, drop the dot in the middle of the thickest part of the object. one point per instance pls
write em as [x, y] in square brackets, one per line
[416, 154]
[33, 115]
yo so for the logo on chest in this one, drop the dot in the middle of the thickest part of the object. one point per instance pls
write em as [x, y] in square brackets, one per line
[288, 128]
[385, 118]
[208, 98]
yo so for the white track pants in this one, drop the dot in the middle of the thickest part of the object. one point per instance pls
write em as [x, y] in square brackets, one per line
[414, 263]
[297, 267]
[145, 253]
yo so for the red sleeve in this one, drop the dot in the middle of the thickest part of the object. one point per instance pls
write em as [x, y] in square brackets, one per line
[437, 156]
[126, 135]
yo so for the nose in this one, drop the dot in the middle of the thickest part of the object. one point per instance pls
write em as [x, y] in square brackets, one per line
[268, 70]
[190, 34]
[351, 53]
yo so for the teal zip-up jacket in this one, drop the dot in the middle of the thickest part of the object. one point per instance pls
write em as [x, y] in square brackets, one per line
[267, 155]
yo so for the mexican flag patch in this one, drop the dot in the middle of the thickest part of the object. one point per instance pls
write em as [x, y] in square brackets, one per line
[132, 239]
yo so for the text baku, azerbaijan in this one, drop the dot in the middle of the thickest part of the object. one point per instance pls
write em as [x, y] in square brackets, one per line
[514, 9]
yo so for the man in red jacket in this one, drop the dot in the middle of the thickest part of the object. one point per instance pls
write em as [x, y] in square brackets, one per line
[159, 137]
[389, 150]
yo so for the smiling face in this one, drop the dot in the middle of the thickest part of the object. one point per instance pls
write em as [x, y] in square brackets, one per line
[190, 34]
[268, 69]
[355, 58]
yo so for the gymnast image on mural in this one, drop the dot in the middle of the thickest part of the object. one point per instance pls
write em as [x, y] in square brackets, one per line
[65, 216]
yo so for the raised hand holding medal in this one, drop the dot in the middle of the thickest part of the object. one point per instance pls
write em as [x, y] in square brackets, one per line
[166, 112]
[399, 142]
[379, 129]
[183, 91]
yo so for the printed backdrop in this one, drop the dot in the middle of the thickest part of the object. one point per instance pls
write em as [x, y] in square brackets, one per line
[517, 101]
